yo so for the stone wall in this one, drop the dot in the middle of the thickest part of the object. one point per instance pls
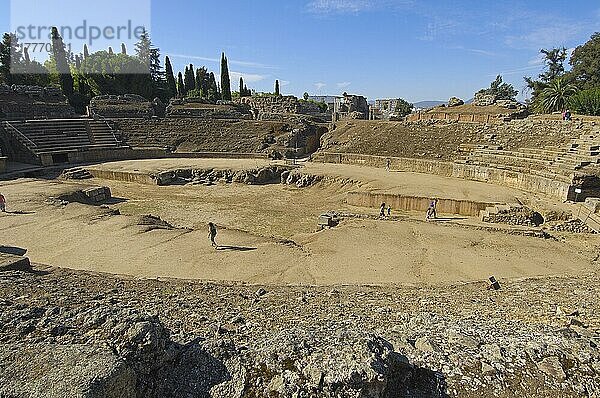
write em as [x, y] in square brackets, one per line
[415, 203]
[526, 182]
[272, 104]
[192, 135]
[33, 102]
[466, 117]
[121, 106]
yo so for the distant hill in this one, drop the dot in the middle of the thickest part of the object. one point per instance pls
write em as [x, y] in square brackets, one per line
[428, 104]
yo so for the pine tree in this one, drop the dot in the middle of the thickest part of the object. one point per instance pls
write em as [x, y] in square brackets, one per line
[225, 82]
[149, 56]
[123, 49]
[62, 66]
[143, 47]
[277, 88]
[171, 84]
[180, 86]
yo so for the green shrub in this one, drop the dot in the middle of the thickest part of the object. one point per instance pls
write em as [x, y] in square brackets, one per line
[586, 102]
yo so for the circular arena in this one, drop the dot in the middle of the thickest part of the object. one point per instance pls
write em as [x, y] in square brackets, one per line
[327, 278]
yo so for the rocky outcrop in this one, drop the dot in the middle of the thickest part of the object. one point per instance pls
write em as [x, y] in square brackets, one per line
[68, 333]
[455, 101]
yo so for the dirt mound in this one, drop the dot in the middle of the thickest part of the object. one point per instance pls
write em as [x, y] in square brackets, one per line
[150, 223]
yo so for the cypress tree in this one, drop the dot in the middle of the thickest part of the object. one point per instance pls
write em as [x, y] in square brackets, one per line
[277, 87]
[213, 90]
[26, 55]
[110, 51]
[171, 84]
[242, 92]
[193, 84]
[62, 66]
[189, 78]
[225, 82]
[203, 80]
[123, 49]
[247, 92]
[86, 52]
[180, 86]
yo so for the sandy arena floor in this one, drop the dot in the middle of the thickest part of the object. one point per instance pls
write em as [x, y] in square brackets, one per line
[269, 233]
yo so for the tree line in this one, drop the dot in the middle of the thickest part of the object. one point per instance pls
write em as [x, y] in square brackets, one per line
[85, 75]
[577, 89]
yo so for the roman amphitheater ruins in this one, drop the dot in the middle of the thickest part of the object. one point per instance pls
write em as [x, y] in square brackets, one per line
[310, 292]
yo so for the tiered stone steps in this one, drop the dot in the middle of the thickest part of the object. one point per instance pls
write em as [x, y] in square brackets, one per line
[48, 136]
[551, 162]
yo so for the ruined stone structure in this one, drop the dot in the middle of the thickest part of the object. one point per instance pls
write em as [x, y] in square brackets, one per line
[455, 101]
[33, 102]
[267, 107]
[202, 109]
[352, 107]
[384, 109]
[121, 106]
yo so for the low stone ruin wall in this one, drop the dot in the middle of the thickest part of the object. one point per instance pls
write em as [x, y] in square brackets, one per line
[121, 106]
[415, 203]
[464, 117]
[33, 102]
[280, 104]
[103, 155]
[525, 182]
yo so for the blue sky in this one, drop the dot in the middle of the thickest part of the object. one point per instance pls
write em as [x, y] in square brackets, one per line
[414, 49]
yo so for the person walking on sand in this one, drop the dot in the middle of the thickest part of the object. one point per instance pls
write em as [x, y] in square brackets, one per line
[389, 211]
[431, 211]
[387, 165]
[382, 210]
[2, 203]
[212, 234]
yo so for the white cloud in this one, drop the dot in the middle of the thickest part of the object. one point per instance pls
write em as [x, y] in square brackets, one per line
[249, 64]
[248, 77]
[549, 36]
[339, 6]
[474, 51]
[283, 83]
[343, 84]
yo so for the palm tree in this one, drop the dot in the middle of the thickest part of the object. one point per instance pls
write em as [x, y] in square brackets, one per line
[556, 95]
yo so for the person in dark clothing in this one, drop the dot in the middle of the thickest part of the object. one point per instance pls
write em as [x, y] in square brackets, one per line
[212, 234]
[382, 210]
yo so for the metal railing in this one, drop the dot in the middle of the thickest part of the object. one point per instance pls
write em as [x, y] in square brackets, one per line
[103, 119]
[20, 136]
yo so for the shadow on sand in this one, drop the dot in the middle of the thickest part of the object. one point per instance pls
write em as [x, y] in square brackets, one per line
[15, 251]
[236, 248]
